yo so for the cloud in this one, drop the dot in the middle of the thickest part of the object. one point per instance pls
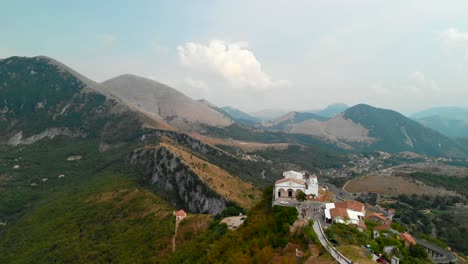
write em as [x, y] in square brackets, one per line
[418, 82]
[106, 39]
[454, 39]
[232, 62]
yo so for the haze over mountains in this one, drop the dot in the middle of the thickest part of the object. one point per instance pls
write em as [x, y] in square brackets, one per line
[358, 127]
[163, 102]
[451, 121]
[130, 150]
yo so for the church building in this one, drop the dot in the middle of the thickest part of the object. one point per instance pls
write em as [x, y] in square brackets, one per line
[294, 182]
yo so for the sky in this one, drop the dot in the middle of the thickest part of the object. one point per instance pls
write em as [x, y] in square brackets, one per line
[253, 55]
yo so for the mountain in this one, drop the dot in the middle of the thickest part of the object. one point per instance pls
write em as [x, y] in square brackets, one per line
[332, 110]
[449, 127]
[393, 132]
[164, 103]
[240, 116]
[450, 121]
[42, 98]
[233, 113]
[445, 112]
[269, 114]
[370, 128]
[285, 122]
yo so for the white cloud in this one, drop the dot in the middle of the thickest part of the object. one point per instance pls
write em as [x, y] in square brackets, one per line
[232, 62]
[105, 39]
[418, 82]
[455, 39]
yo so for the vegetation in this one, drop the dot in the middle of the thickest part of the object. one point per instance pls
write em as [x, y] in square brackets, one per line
[392, 128]
[233, 211]
[447, 229]
[38, 95]
[345, 235]
[262, 237]
[97, 213]
[458, 184]
[301, 196]
[308, 157]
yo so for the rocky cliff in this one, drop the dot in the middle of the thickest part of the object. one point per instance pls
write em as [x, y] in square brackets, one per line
[175, 181]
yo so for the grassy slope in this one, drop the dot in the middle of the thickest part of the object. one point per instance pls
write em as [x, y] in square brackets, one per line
[390, 128]
[107, 219]
[97, 213]
[241, 192]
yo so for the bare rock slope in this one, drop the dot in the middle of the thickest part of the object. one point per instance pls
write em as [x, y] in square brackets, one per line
[164, 102]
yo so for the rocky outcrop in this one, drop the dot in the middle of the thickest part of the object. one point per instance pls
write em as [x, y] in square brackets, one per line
[150, 135]
[175, 181]
[50, 133]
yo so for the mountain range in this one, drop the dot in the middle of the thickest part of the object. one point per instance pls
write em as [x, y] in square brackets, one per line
[78, 106]
[92, 172]
[450, 121]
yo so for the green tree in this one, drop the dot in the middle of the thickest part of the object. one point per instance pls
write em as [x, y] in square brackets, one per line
[300, 196]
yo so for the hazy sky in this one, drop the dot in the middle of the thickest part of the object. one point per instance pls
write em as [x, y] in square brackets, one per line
[405, 55]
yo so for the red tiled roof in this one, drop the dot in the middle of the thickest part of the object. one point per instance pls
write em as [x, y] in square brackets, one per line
[301, 182]
[353, 205]
[362, 225]
[409, 240]
[339, 212]
[376, 215]
[180, 213]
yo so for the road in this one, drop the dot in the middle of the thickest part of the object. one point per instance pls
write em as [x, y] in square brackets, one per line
[338, 192]
[326, 244]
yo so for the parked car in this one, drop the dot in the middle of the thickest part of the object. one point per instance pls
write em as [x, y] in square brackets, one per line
[283, 202]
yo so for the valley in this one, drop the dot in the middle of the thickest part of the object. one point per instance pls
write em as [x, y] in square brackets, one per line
[92, 172]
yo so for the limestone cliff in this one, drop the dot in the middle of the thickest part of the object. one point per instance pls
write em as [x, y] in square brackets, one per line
[175, 181]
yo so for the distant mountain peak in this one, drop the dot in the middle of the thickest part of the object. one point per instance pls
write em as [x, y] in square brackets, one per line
[332, 110]
[164, 102]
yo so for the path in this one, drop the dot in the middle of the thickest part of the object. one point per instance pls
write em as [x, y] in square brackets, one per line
[175, 234]
[326, 244]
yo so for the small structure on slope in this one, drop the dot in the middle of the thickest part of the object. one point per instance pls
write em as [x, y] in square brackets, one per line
[180, 215]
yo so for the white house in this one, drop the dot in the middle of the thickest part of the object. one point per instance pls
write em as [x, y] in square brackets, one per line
[294, 182]
[347, 212]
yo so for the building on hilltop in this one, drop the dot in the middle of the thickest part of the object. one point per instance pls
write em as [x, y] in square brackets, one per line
[408, 239]
[347, 212]
[294, 182]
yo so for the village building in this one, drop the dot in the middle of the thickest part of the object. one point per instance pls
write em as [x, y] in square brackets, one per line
[347, 212]
[180, 215]
[377, 217]
[408, 239]
[294, 182]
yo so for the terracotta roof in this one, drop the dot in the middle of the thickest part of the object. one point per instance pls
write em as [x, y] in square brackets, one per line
[362, 225]
[180, 213]
[339, 212]
[301, 182]
[376, 215]
[353, 205]
[382, 227]
[409, 240]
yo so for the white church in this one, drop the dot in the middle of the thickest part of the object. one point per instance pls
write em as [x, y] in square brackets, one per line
[294, 182]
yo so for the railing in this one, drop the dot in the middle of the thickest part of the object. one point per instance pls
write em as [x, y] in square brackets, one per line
[331, 249]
